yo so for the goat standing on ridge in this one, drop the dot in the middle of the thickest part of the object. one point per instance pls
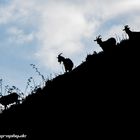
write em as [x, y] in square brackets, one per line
[106, 45]
[132, 35]
[68, 64]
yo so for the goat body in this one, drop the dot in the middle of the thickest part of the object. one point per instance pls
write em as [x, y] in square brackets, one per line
[106, 45]
[68, 64]
[9, 99]
[132, 35]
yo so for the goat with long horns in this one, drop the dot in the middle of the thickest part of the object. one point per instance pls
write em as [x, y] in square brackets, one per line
[106, 45]
[133, 35]
[68, 64]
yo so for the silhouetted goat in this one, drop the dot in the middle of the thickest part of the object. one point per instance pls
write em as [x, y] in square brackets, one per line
[132, 35]
[106, 45]
[68, 64]
[9, 99]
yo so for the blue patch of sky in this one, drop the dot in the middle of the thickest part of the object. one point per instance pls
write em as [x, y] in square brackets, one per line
[17, 57]
[4, 2]
[2, 34]
[15, 62]
[15, 71]
[122, 20]
[25, 28]
[119, 20]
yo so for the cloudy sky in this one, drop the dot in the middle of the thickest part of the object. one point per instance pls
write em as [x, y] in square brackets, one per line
[36, 31]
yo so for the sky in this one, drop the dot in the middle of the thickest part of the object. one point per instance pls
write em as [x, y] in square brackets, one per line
[36, 31]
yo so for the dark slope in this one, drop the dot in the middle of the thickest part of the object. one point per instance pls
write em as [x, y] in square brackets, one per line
[96, 98]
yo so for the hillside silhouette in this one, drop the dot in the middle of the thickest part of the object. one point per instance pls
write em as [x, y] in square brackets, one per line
[97, 98]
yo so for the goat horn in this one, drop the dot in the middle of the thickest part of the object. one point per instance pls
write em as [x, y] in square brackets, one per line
[59, 54]
[99, 36]
[126, 26]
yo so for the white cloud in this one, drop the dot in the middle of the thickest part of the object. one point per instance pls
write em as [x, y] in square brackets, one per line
[65, 26]
[17, 35]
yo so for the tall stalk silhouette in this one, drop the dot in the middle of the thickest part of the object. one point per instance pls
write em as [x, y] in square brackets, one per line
[38, 72]
[29, 81]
